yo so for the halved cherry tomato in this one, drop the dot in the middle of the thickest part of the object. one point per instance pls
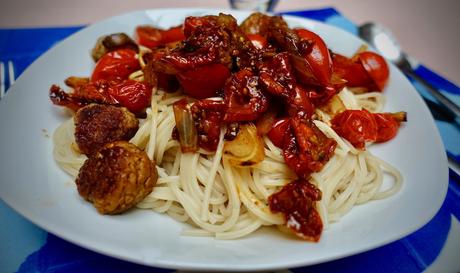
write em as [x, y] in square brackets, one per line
[204, 81]
[368, 70]
[376, 67]
[116, 65]
[353, 72]
[299, 104]
[356, 126]
[388, 124]
[318, 57]
[279, 131]
[321, 96]
[148, 36]
[191, 23]
[132, 94]
[258, 41]
[152, 37]
[173, 34]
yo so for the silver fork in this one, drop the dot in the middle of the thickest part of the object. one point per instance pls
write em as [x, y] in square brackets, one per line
[6, 71]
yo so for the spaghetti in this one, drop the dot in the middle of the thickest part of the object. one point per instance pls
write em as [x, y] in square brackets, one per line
[227, 202]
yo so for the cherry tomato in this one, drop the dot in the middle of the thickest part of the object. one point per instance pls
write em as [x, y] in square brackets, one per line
[322, 96]
[318, 57]
[354, 73]
[191, 23]
[148, 36]
[116, 65]
[387, 126]
[356, 126]
[279, 131]
[376, 67]
[152, 37]
[132, 94]
[258, 41]
[90, 92]
[171, 35]
[243, 98]
[299, 103]
[204, 81]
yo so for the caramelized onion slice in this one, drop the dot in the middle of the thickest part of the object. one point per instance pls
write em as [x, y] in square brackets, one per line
[247, 149]
[333, 106]
[185, 125]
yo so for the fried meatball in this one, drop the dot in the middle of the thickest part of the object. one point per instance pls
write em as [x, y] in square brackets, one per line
[116, 177]
[98, 124]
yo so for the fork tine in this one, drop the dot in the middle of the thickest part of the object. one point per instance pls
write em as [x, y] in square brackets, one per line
[11, 74]
[2, 80]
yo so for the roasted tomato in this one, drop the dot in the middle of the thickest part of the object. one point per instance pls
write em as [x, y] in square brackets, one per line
[258, 41]
[204, 81]
[376, 67]
[319, 62]
[208, 115]
[279, 131]
[164, 81]
[299, 104]
[306, 148]
[356, 126]
[388, 124]
[276, 75]
[191, 23]
[209, 40]
[118, 64]
[148, 36]
[360, 126]
[151, 37]
[174, 34]
[244, 100]
[296, 201]
[321, 96]
[132, 94]
[366, 69]
[84, 94]
[353, 72]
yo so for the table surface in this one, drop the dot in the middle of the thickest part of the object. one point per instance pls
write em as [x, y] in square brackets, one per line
[426, 29]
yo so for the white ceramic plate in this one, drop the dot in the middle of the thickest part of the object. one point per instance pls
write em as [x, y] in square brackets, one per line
[32, 184]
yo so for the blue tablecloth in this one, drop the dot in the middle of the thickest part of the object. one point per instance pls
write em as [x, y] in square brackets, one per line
[25, 247]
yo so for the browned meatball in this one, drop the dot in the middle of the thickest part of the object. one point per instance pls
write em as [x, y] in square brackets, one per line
[98, 124]
[116, 177]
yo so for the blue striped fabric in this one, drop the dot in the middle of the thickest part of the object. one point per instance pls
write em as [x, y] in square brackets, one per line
[27, 248]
